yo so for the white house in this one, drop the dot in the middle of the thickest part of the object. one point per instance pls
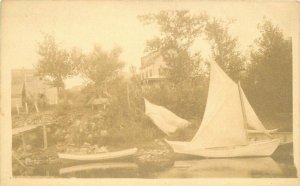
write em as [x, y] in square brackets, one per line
[25, 82]
[151, 67]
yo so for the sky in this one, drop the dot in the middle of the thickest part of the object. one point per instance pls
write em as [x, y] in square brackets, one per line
[114, 23]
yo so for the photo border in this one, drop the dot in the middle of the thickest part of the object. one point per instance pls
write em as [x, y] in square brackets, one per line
[6, 138]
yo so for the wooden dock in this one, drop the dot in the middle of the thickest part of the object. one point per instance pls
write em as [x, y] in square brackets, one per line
[20, 130]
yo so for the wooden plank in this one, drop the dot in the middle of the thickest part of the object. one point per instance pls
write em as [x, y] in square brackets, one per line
[18, 160]
[19, 130]
[18, 110]
[26, 107]
[36, 108]
[23, 143]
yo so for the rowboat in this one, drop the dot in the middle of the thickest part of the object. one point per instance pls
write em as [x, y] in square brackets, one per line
[99, 156]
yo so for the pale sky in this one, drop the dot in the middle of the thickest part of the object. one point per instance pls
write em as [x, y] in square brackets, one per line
[85, 23]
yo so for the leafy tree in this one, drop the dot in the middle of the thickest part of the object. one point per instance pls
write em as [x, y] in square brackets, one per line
[270, 72]
[101, 67]
[224, 47]
[184, 92]
[54, 62]
[178, 31]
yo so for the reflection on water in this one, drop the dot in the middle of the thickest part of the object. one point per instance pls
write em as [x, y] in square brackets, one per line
[191, 168]
[108, 169]
[279, 165]
[250, 167]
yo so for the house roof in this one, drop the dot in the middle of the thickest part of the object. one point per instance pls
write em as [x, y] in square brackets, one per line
[97, 101]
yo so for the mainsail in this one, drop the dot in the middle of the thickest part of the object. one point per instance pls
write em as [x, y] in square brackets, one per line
[164, 119]
[223, 122]
[226, 120]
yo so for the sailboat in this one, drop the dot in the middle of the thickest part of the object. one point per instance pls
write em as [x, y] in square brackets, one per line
[228, 116]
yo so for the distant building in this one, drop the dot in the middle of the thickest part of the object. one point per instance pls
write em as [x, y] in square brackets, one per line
[25, 84]
[151, 68]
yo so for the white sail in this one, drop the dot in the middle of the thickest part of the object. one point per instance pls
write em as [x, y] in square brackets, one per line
[253, 121]
[164, 119]
[223, 122]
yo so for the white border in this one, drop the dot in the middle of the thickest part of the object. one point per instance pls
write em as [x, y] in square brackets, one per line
[6, 140]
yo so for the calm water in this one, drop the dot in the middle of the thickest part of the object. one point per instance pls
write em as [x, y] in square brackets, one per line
[185, 168]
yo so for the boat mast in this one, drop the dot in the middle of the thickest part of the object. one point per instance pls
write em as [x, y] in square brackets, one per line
[245, 121]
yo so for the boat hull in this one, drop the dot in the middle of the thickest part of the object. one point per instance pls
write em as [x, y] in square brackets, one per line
[98, 157]
[254, 149]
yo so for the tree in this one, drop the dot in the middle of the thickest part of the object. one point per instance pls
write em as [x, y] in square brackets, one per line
[270, 71]
[224, 47]
[100, 66]
[179, 30]
[184, 91]
[54, 62]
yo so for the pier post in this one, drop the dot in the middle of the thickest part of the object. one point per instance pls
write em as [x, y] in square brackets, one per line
[45, 136]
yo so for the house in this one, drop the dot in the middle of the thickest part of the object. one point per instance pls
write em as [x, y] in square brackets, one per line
[27, 85]
[151, 68]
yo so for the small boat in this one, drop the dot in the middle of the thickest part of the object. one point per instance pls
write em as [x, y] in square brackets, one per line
[99, 156]
[253, 149]
[228, 117]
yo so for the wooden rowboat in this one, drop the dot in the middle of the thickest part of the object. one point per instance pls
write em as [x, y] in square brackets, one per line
[99, 156]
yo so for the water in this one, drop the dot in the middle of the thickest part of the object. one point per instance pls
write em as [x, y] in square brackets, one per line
[280, 165]
[265, 167]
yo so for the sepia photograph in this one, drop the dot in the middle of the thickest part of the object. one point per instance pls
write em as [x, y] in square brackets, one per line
[149, 89]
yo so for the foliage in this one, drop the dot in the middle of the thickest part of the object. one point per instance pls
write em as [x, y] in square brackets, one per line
[268, 83]
[100, 66]
[183, 92]
[224, 47]
[186, 100]
[269, 77]
[178, 31]
[54, 62]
